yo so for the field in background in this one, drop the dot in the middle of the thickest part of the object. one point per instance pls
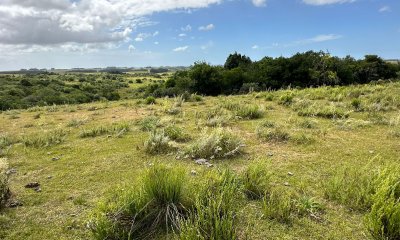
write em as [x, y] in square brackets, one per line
[309, 139]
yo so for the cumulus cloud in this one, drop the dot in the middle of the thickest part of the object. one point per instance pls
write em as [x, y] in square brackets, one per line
[180, 49]
[326, 2]
[208, 27]
[255, 47]
[182, 35]
[57, 22]
[259, 3]
[187, 28]
[131, 48]
[385, 9]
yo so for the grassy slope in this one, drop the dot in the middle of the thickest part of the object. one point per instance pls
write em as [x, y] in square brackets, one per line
[89, 168]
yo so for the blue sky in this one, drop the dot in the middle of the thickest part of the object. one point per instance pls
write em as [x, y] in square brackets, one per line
[102, 33]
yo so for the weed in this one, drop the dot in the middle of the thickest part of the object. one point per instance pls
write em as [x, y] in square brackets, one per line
[44, 139]
[249, 112]
[150, 100]
[279, 205]
[176, 133]
[76, 122]
[114, 129]
[220, 143]
[256, 179]
[4, 190]
[158, 143]
[149, 123]
[302, 139]
[286, 99]
[276, 134]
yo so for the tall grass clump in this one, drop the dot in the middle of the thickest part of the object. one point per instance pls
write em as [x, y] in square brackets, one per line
[286, 99]
[383, 221]
[47, 139]
[220, 143]
[4, 190]
[176, 133]
[5, 142]
[158, 143]
[256, 180]
[279, 205]
[331, 111]
[149, 123]
[249, 112]
[352, 186]
[114, 129]
[150, 100]
[155, 206]
[272, 134]
[214, 214]
[217, 117]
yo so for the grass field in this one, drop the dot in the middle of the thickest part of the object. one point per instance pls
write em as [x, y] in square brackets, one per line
[315, 150]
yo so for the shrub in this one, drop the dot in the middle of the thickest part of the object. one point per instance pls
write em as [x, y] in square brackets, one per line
[255, 179]
[214, 214]
[44, 139]
[279, 205]
[4, 190]
[158, 143]
[176, 133]
[249, 112]
[272, 134]
[149, 123]
[114, 129]
[383, 221]
[150, 100]
[356, 104]
[139, 213]
[220, 143]
[286, 99]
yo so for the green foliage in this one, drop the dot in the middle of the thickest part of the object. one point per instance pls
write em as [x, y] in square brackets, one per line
[158, 143]
[279, 205]
[214, 214]
[356, 104]
[47, 139]
[149, 123]
[256, 180]
[150, 100]
[383, 221]
[352, 186]
[23, 91]
[286, 99]
[308, 206]
[118, 129]
[249, 112]
[4, 190]
[276, 134]
[155, 206]
[220, 143]
[176, 133]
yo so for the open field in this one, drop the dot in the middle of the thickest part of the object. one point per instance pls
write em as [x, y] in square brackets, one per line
[308, 142]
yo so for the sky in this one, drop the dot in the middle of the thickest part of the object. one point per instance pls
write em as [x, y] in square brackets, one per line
[138, 33]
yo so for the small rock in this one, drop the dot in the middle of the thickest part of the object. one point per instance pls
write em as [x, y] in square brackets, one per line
[201, 161]
[209, 165]
[37, 189]
[270, 154]
[15, 204]
[371, 151]
[193, 172]
[11, 171]
[290, 173]
[286, 184]
[49, 177]
[32, 185]
[49, 153]
[55, 158]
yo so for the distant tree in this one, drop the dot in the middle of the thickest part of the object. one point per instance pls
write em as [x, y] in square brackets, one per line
[207, 78]
[237, 60]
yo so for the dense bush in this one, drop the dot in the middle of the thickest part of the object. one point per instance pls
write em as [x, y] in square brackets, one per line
[23, 91]
[241, 75]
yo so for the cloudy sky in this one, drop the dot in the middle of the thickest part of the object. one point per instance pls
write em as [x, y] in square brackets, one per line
[100, 33]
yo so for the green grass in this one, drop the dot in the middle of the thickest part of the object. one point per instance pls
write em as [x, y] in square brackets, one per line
[324, 175]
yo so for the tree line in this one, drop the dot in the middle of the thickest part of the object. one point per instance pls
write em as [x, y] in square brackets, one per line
[240, 74]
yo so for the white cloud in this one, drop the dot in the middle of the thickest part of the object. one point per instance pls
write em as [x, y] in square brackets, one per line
[131, 48]
[156, 43]
[55, 22]
[180, 49]
[209, 27]
[156, 33]
[208, 45]
[385, 9]
[187, 28]
[259, 3]
[326, 2]
[324, 38]
[255, 47]
[182, 35]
